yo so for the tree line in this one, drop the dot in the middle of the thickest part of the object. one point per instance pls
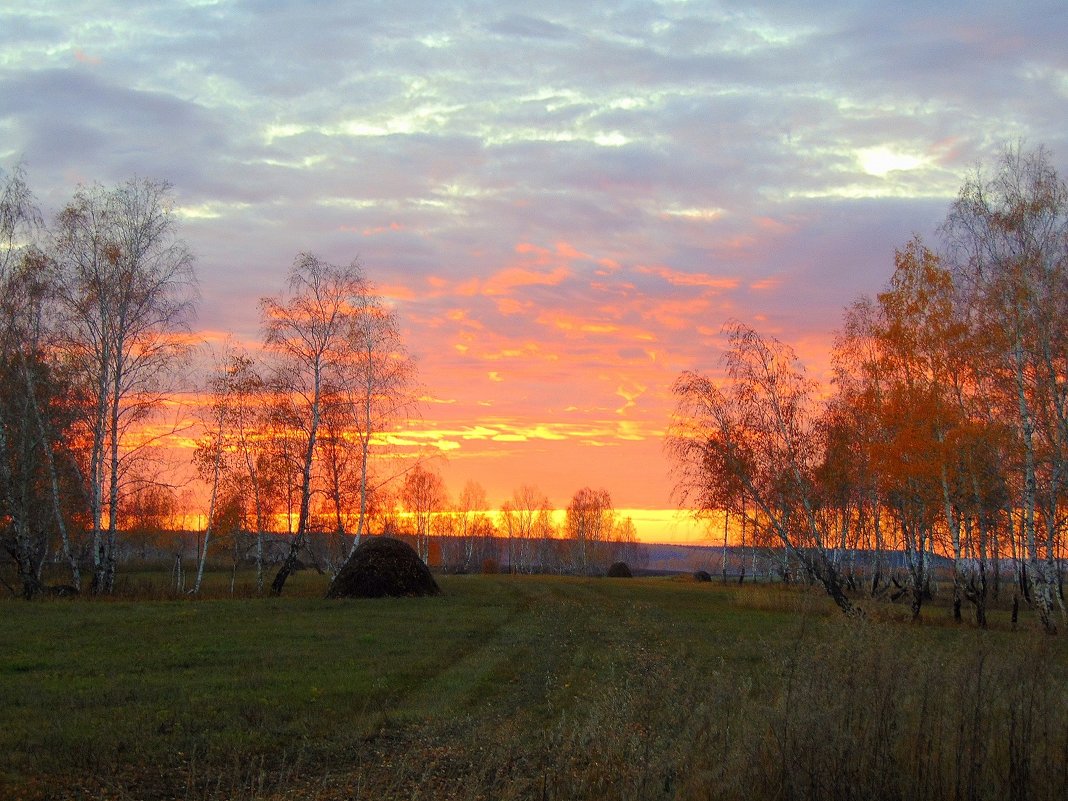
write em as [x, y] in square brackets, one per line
[292, 442]
[945, 430]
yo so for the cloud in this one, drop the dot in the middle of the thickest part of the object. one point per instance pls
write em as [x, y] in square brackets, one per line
[511, 278]
[522, 26]
[560, 202]
[678, 278]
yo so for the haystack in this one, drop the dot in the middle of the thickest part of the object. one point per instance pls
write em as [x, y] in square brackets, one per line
[619, 570]
[383, 566]
[702, 575]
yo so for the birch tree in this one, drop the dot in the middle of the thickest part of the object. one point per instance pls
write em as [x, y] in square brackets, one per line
[861, 384]
[424, 497]
[307, 334]
[126, 292]
[378, 388]
[37, 403]
[339, 464]
[902, 360]
[471, 527]
[757, 432]
[1008, 241]
[223, 424]
[248, 426]
[527, 523]
[589, 523]
[20, 315]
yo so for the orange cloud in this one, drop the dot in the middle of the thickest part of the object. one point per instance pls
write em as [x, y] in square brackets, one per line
[464, 318]
[396, 292]
[515, 430]
[503, 282]
[563, 252]
[678, 278]
[676, 314]
[765, 284]
[570, 323]
[508, 306]
[630, 395]
[524, 350]
[737, 244]
[500, 283]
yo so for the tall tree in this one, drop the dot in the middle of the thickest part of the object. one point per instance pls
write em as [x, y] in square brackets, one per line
[307, 334]
[527, 523]
[23, 294]
[424, 497]
[758, 433]
[471, 528]
[377, 388]
[589, 523]
[126, 291]
[861, 395]
[224, 421]
[901, 357]
[1008, 238]
[249, 428]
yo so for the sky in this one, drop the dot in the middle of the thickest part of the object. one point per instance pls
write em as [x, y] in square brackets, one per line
[564, 202]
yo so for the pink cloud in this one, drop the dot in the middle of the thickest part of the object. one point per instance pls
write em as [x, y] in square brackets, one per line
[677, 314]
[509, 306]
[84, 58]
[510, 278]
[382, 229]
[765, 284]
[396, 291]
[772, 226]
[677, 278]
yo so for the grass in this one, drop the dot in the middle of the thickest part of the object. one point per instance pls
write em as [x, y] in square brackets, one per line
[519, 687]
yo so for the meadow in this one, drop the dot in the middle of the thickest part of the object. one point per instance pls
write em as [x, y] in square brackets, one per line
[522, 687]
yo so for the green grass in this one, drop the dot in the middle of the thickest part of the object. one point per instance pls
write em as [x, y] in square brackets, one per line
[512, 687]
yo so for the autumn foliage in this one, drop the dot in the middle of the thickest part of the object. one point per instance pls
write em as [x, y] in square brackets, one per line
[946, 429]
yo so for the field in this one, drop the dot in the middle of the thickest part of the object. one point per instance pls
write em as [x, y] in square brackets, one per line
[522, 687]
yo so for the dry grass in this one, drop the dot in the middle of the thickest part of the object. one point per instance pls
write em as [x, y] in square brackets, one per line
[530, 688]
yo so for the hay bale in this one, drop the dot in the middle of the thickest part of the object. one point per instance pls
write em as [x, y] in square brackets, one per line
[619, 570]
[383, 566]
[702, 575]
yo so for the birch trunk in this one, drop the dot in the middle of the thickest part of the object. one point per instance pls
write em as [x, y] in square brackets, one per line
[113, 468]
[1039, 582]
[216, 472]
[50, 462]
[953, 524]
[726, 525]
[305, 488]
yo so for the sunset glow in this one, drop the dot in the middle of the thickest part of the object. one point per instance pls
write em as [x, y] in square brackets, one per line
[562, 208]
